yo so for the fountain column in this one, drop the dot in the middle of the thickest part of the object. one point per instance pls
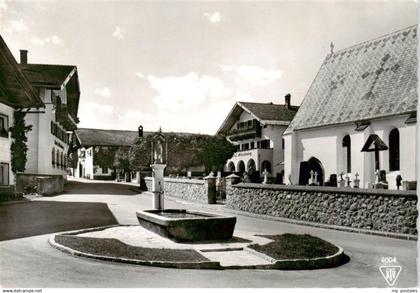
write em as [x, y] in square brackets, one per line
[157, 185]
[159, 159]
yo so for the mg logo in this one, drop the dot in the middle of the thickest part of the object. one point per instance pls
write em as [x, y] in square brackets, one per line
[390, 271]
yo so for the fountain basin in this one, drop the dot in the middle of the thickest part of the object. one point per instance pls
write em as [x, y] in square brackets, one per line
[187, 226]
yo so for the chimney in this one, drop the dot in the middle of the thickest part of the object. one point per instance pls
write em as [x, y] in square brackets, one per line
[23, 56]
[140, 129]
[287, 100]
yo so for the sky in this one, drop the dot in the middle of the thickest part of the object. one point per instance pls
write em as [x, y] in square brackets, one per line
[183, 65]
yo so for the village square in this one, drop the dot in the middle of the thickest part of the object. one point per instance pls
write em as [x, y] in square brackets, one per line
[203, 184]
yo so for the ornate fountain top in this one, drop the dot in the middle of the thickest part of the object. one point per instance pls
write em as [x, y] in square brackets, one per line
[159, 148]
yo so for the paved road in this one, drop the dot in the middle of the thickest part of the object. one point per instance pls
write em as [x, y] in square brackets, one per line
[31, 262]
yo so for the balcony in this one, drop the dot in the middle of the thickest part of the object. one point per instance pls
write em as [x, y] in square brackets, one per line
[245, 130]
[64, 118]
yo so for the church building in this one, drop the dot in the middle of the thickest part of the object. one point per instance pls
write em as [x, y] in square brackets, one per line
[256, 129]
[358, 118]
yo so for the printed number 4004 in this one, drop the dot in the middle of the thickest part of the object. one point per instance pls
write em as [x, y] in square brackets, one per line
[389, 259]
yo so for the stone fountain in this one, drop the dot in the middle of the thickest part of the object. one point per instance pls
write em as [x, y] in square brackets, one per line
[178, 224]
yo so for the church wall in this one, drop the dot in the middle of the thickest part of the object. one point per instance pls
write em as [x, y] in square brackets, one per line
[326, 145]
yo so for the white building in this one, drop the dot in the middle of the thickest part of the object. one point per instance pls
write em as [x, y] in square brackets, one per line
[48, 141]
[16, 93]
[363, 98]
[90, 142]
[256, 129]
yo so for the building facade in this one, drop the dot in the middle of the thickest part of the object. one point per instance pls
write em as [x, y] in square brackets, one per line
[359, 116]
[50, 136]
[256, 129]
[90, 143]
[16, 94]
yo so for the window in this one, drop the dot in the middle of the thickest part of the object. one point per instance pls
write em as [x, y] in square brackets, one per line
[246, 146]
[265, 144]
[258, 144]
[4, 127]
[252, 145]
[347, 153]
[57, 158]
[394, 150]
[53, 156]
[4, 174]
[282, 143]
[104, 170]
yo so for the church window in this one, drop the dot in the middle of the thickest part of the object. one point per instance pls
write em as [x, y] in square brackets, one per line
[347, 153]
[394, 150]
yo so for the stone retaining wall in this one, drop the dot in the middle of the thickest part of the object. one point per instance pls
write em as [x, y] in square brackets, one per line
[382, 210]
[188, 189]
[44, 184]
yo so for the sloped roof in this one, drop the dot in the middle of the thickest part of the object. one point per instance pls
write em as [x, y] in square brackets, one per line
[265, 113]
[47, 75]
[111, 137]
[106, 137]
[374, 79]
[15, 89]
[56, 77]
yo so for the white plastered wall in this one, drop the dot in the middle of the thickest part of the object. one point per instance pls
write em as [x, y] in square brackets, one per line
[5, 143]
[325, 144]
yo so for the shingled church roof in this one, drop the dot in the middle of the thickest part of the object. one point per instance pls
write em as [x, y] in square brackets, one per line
[370, 80]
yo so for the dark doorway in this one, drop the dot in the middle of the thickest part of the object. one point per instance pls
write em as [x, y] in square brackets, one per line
[241, 167]
[266, 165]
[80, 171]
[231, 167]
[313, 164]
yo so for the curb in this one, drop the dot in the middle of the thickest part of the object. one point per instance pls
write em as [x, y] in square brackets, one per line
[178, 265]
[330, 261]
[325, 262]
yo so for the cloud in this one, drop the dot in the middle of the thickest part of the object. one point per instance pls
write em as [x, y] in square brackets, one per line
[99, 108]
[96, 115]
[214, 17]
[17, 26]
[103, 92]
[132, 119]
[55, 40]
[254, 75]
[3, 5]
[119, 33]
[37, 41]
[184, 92]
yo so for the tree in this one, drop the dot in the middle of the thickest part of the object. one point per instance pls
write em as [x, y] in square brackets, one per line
[104, 156]
[122, 159]
[184, 150]
[19, 148]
